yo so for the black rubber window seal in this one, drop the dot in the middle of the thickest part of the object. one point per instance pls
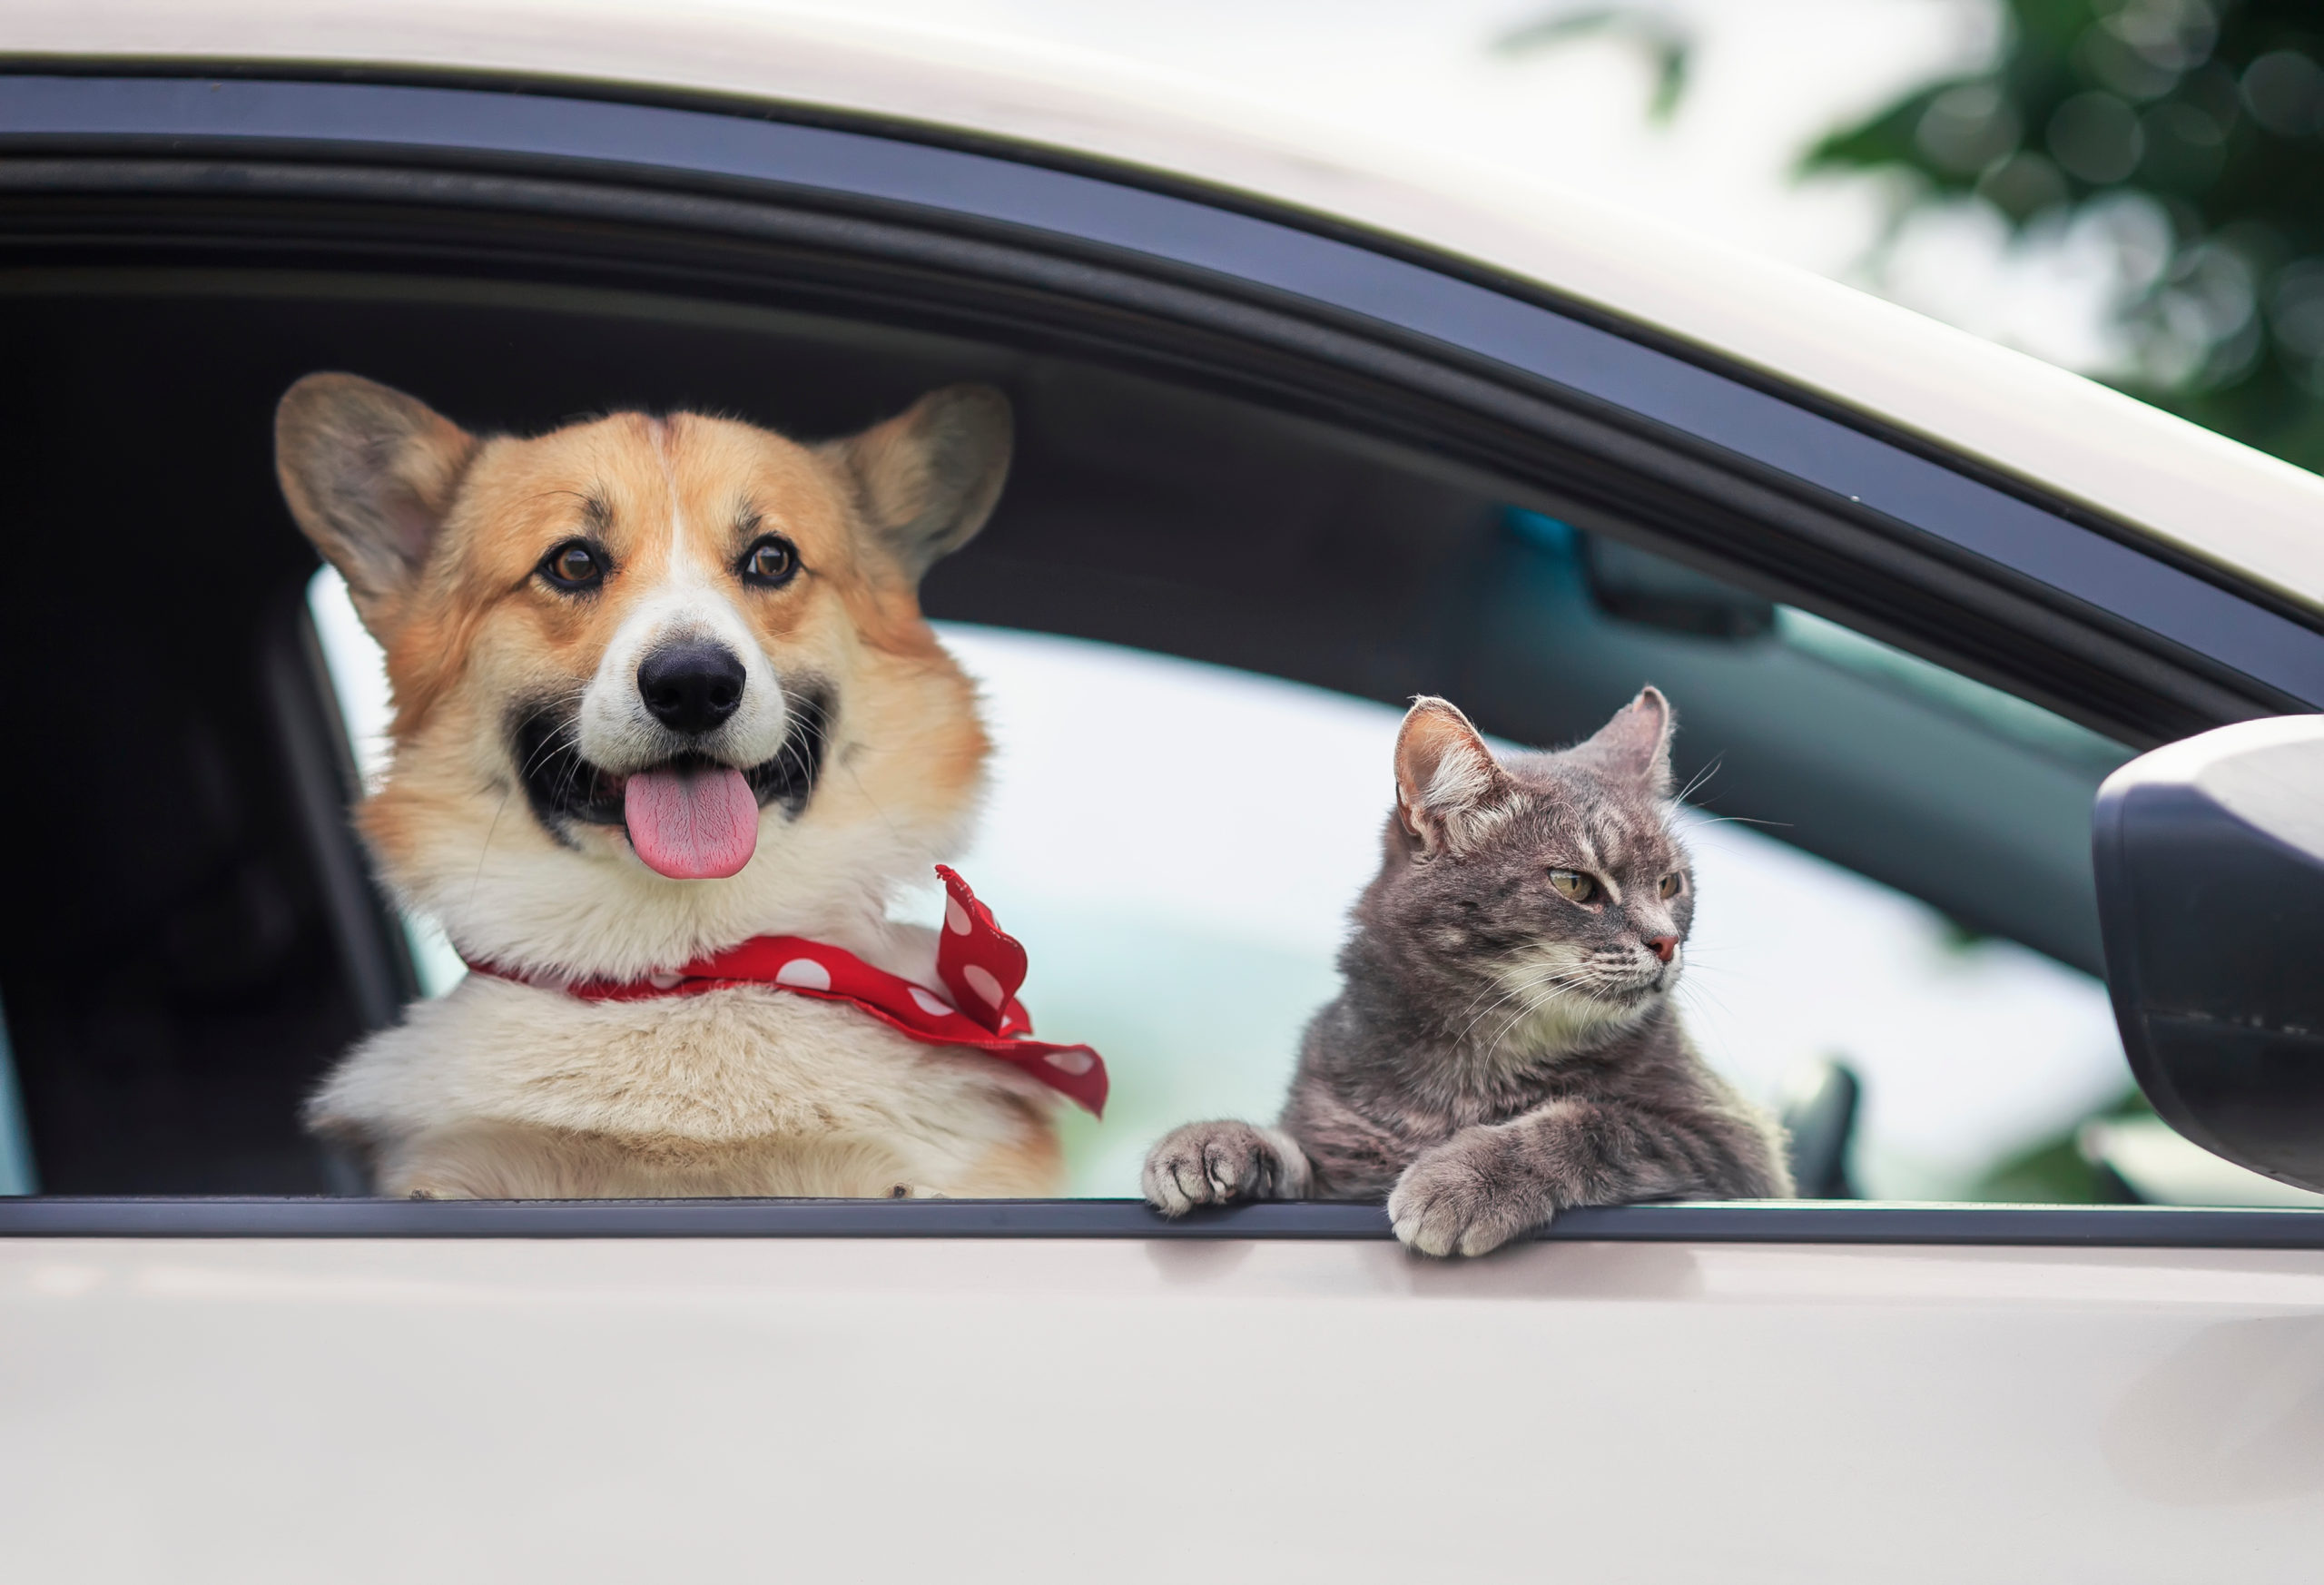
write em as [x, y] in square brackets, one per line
[2090, 1226]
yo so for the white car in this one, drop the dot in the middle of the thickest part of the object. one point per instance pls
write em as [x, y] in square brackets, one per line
[1307, 428]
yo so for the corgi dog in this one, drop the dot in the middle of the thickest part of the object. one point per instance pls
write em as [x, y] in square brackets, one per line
[662, 686]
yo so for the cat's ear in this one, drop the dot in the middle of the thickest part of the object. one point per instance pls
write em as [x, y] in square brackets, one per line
[370, 474]
[1449, 789]
[1635, 745]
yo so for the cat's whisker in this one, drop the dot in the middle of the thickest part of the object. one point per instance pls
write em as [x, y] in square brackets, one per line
[1500, 990]
[1492, 984]
[1485, 961]
[1522, 1015]
[1701, 776]
[1689, 989]
[1556, 981]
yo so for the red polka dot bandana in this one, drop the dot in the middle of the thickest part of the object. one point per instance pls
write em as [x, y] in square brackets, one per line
[980, 964]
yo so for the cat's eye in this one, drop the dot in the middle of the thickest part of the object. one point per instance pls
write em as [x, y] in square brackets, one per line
[1574, 885]
[574, 566]
[1672, 884]
[770, 562]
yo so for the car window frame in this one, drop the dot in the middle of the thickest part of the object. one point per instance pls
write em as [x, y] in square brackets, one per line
[2221, 648]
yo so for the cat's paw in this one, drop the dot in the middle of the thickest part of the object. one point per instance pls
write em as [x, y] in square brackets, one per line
[1459, 1199]
[1218, 1164]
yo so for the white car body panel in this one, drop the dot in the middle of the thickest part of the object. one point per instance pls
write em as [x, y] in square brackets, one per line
[1123, 1410]
[2185, 484]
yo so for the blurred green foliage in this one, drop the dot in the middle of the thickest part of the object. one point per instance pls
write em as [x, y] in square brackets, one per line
[2055, 1172]
[2191, 132]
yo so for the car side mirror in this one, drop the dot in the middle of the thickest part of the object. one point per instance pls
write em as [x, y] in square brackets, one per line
[2210, 856]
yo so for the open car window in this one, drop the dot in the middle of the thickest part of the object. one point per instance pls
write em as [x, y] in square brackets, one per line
[1191, 948]
[1247, 518]
[1893, 858]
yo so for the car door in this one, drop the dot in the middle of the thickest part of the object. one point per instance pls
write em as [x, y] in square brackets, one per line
[248, 1384]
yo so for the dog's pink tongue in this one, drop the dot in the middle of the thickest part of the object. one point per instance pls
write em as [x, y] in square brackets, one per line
[700, 823]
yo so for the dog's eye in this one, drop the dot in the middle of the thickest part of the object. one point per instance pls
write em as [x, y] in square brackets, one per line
[1574, 885]
[770, 561]
[1671, 884]
[572, 566]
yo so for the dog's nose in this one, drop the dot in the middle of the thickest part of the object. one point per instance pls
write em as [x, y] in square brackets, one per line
[691, 688]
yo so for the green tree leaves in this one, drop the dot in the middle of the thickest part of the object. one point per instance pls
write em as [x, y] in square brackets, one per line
[2209, 113]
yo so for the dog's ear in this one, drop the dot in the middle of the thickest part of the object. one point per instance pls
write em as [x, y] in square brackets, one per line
[928, 478]
[369, 473]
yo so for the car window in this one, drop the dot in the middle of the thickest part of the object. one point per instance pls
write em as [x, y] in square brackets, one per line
[1190, 947]
[1894, 856]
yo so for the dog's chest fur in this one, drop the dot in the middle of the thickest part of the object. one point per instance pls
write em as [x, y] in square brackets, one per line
[707, 1084]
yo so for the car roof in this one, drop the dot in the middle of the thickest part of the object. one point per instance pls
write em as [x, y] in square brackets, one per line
[2072, 437]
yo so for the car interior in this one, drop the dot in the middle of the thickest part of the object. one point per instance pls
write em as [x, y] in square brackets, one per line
[194, 934]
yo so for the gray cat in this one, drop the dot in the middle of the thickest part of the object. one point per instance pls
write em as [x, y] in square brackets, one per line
[1503, 1046]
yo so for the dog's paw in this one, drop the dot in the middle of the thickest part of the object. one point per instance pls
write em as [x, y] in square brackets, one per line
[1458, 1199]
[1218, 1164]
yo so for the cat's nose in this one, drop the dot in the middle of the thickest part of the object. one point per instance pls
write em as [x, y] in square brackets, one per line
[1664, 947]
